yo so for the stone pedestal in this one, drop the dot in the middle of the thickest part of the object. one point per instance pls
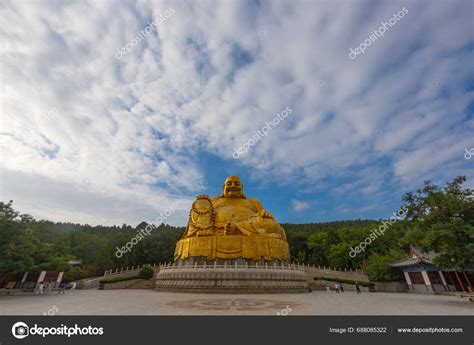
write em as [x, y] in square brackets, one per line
[231, 279]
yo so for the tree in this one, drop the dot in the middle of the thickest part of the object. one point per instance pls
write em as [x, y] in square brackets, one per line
[442, 220]
[16, 245]
[319, 246]
[378, 269]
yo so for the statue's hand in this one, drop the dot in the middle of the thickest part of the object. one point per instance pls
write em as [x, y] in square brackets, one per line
[202, 196]
[265, 214]
[204, 233]
[190, 231]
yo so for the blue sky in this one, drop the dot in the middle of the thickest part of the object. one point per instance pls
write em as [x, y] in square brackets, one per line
[134, 134]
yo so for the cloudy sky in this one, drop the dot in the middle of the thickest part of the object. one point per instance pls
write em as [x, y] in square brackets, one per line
[91, 135]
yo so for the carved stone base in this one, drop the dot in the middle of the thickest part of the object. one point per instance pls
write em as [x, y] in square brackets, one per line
[231, 279]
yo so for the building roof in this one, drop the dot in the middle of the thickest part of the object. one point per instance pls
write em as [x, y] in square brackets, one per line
[417, 256]
[417, 252]
[405, 263]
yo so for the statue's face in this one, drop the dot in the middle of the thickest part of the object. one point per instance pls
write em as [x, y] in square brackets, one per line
[233, 187]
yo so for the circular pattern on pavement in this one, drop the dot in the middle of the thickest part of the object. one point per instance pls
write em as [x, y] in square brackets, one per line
[234, 304]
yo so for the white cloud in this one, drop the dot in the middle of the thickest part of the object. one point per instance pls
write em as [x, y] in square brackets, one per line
[299, 205]
[213, 74]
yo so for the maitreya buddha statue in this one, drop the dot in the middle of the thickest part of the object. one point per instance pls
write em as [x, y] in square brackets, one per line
[232, 226]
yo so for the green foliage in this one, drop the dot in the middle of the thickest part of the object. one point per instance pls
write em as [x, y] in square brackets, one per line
[442, 220]
[21, 249]
[73, 273]
[345, 281]
[30, 245]
[324, 244]
[146, 272]
[118, 279]
[376, 267]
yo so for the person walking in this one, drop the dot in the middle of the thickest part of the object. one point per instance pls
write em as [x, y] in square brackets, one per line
[62, 287]
[327, 287]
[73, 286]
[50, 286]
[341, 287]
[357, 287]
[337, 287]
[40, 289]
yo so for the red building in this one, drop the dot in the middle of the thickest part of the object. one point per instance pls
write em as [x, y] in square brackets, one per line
[29, 280]
[422, 276]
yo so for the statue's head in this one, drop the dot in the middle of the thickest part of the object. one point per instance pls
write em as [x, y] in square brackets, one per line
[233, 187]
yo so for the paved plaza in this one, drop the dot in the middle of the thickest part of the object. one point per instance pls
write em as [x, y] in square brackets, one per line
[149, 302]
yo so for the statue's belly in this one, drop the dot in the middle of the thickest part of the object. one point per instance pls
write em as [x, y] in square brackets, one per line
[226, 214]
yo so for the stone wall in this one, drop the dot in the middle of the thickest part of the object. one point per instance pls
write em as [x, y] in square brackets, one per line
[231, 279]
[421, 288]
[391, 287]
[320, 285]
[143, 284]
[131, 284]
[88, 283]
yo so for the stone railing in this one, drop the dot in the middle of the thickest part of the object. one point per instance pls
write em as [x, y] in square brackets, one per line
[333, 269]
[126, 271]
[293, 267]
[318, 271]
[311, 271]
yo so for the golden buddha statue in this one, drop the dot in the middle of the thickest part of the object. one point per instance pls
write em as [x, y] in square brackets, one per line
[232, 226]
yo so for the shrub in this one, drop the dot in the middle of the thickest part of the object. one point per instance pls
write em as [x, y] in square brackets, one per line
[146, 272]
[117, 279]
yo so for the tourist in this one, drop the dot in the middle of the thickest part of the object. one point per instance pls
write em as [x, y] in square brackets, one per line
[337, 287]
[73, 286]
[341, 287]
[358, 287]
[50, 286]
[327, 287]
[62, 287]
[40, 289]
